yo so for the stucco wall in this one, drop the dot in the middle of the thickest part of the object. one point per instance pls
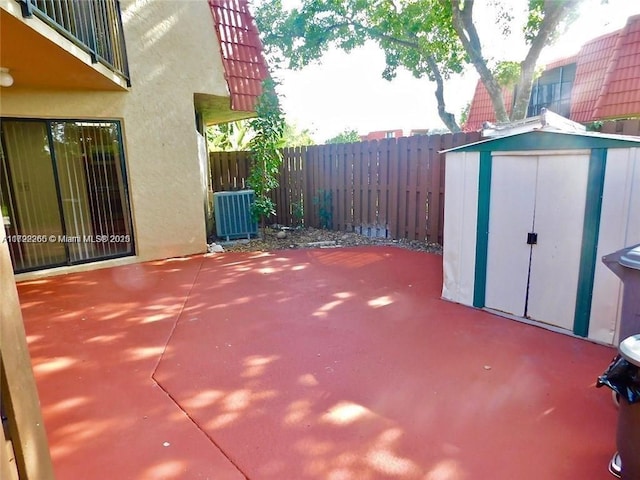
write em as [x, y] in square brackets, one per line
[173, 53]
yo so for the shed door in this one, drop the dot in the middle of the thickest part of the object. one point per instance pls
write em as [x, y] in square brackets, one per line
[544, 195]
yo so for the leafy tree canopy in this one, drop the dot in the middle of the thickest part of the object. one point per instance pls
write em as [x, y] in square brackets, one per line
[237, 136]
[229, 137]
[433, 39]
[347, 136]
[294, 137]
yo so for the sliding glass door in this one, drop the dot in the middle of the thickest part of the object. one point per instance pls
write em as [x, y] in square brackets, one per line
[64, 192]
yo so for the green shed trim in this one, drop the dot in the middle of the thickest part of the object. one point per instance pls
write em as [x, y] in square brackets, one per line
[590, 233]
[482, 229]
[545, 140]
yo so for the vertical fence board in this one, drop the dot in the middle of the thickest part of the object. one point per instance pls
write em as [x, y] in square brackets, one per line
[310, 187]
[236, 167]
[357, 184]
[334, 167]
[383, 184]
[320, 191]
[345, 186]
[371, 200]
[283, 203]
[327, 178]
[319, 183]
[300, 200]
[224, 172]
[423, 186]
[412, 190]
[374, 188]
[334, 186]
[279, 194]
[348, 186]
[403, 182]
[434, 199]
[393, 188]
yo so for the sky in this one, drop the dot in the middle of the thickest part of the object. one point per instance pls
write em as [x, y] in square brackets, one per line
[347, 91]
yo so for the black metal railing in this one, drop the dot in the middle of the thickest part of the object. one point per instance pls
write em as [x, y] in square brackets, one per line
[93, 25]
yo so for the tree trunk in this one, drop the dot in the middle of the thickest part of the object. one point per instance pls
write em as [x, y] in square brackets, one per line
[466, 30]
[447, 118]
[555, 12]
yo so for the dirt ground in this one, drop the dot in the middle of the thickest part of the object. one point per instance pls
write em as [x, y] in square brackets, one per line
[280, 238]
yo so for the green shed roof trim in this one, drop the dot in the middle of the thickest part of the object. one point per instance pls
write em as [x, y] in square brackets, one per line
[549, 140]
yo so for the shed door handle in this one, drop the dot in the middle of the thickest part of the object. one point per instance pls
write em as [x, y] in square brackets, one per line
[532, 238]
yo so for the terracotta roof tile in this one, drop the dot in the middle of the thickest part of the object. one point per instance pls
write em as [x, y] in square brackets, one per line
[620, 95]
[561, 62]
[482, 109]
[591, 66]
[244, 65]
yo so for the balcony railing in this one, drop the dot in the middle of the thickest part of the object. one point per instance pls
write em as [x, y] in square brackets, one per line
[93, 25]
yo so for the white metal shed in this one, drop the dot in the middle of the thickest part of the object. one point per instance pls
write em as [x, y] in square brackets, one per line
[528, 217]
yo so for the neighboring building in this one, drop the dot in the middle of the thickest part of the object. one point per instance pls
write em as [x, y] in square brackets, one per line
[600, 82]
[102, 147]
[382, 134]
[418, 131]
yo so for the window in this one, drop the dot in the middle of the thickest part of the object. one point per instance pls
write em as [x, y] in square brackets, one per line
[553, 91]
[63, 192]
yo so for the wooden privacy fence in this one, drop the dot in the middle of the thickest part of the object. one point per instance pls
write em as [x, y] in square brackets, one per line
[621, 127]
[388, 188]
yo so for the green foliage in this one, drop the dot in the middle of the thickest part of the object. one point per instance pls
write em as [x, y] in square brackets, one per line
[347, 136]
[464, 114]
[534, 20]
[539, 13]
[262, 208]
[236, 136]
[507, 73]
[297, 210]
[229, 137]
[265, 149]
[292, 137]
[407, 32]
[324, 201]
[595, 126]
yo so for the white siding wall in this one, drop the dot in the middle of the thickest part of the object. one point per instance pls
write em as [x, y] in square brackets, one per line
[619, 228]
[460, 223]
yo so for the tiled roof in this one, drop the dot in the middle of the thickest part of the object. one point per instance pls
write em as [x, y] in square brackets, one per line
[621, 97]
[481, 109]
[591, 66]
[244, 65]
[561, 62]
[606, 85]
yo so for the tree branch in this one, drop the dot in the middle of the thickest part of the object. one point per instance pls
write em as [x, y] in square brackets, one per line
[555, 12]
[447, 118]
[466, 30]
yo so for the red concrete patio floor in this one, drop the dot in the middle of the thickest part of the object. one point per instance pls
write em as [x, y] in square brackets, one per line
[307, 364]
